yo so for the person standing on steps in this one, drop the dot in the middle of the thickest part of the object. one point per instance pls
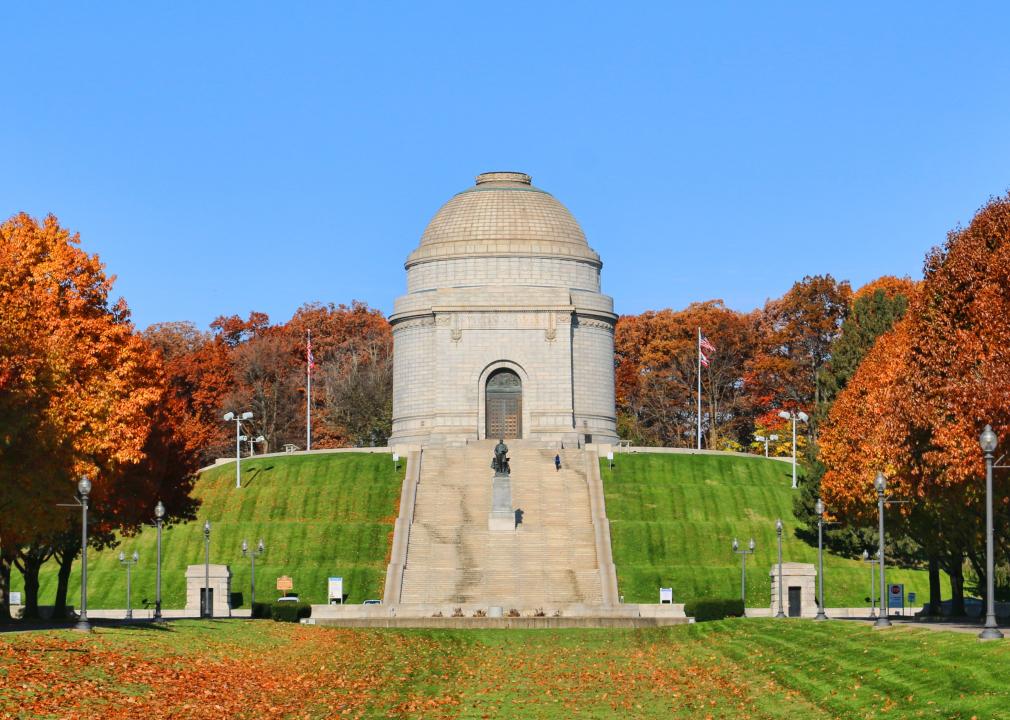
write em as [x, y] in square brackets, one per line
[557, 463]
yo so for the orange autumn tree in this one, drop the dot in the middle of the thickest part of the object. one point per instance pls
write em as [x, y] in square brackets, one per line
[918, 402]
[657, 369]
[94, 390]
[796, 334]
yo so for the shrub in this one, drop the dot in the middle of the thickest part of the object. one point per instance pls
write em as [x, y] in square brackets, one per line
[704, 609]
[261, 610]
[290, 611]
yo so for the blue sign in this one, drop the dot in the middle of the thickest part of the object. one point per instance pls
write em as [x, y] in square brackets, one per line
[896, 596]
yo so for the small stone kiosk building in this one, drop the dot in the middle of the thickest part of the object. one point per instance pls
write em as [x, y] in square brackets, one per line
[503, 332]
[220, 589]
[799, 594]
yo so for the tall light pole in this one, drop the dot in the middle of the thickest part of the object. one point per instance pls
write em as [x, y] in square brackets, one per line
[765, 439]
[778, 531]
[988, 441]
[208, 607]
[159, 518]
[743, 567]
[252, 555]
[880, 483]
[128, 562]
[794, 416]
[819, 509]
[228, 417]
[873, 583]
[83, 490]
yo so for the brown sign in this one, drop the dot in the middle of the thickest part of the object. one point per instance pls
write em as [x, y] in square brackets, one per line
[284, 583]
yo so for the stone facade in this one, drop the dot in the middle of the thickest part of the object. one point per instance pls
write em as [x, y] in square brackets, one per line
[503, 279]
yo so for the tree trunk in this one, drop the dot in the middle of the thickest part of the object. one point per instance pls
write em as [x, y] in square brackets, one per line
[934, 608]
[956, 572]
[5, 587]
[29, 561]
[29, 567]
[65, 558]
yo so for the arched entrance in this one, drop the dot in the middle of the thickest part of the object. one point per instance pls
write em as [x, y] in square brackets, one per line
[503, 416]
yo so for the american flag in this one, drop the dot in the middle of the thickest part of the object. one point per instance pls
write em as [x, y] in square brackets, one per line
[706, 346]
[308, 354]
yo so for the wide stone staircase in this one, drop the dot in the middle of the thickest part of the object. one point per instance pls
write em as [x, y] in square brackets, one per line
[550, 559]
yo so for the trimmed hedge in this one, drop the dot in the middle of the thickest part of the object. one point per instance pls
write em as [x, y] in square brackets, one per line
[290, 611]
[261, 610]
[704, 609]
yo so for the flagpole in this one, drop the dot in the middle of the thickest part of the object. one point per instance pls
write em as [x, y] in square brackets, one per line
[308, 392]
[699, 388]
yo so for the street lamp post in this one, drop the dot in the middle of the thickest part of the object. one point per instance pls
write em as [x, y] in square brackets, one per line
[819, 509]
[252, 555]
[880, 483]
[238, 418]
[83, 490]
[765, 439]
[208, 608]
[159, 518]
[252, 443]
[778, 531]
[873, 584]
[988, 441]
[743, 567]
[128, 562]
[794, 416]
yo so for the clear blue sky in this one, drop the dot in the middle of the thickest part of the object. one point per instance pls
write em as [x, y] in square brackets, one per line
[229, 157]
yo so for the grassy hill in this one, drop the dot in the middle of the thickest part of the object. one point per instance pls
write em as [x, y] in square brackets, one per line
[319, 515]
[673, 518]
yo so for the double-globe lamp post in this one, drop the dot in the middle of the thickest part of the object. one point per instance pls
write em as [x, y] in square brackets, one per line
[83, 490]
[743, 567]
[880, 483]
[873, 583]
[794, 416]
[159, 518]
[252, 555]
[128, 562]
[819, 509]
[988, 442]
[238, 418]
[765, 439]
[778, 531]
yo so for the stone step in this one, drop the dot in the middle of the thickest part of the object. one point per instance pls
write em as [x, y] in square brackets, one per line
[549, 558]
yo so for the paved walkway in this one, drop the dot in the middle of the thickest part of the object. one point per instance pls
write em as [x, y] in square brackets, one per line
[963, 625]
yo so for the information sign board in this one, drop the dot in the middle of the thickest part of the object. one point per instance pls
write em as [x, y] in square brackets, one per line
[665, 595]
[15, 597]
[285, 583]
[896, 596]
[335, 590]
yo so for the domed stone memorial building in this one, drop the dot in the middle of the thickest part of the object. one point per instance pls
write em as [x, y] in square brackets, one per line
[503, 331]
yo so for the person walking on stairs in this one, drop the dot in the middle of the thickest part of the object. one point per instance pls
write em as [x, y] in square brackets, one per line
[557, 463]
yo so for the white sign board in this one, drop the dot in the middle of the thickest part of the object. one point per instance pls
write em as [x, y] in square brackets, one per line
[665, 595]
[15, 598]
[335, 590]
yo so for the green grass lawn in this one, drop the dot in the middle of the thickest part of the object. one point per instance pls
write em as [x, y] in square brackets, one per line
[732, 669]
[319, 515]
[673, 518]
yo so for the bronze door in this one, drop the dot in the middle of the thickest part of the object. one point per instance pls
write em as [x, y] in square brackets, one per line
[503, 405]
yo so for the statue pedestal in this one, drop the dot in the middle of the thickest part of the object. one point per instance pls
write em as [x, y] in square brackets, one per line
[502, 517]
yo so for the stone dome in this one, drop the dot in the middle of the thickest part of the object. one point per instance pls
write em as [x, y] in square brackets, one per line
[503, 215]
